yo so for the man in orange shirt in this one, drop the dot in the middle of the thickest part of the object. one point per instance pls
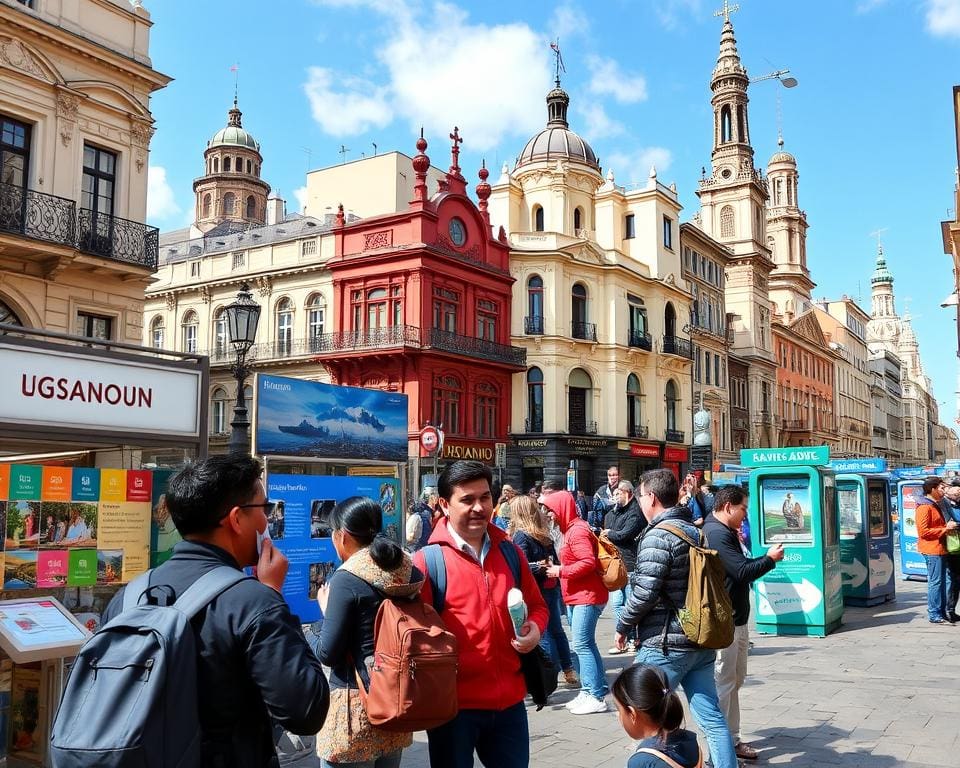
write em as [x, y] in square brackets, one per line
[931, 528]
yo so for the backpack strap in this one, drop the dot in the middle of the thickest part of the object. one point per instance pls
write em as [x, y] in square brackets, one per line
[135, 590]
[666, 758]
[205, 589]
[680, 534]
[437, 573]
[509, 552]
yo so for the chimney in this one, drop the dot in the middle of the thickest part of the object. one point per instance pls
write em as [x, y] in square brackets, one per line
[276, 209]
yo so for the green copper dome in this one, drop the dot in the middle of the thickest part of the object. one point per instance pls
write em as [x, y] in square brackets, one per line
[234, 135]
[881, 274]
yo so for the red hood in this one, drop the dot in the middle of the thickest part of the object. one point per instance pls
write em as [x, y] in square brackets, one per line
[563, 507]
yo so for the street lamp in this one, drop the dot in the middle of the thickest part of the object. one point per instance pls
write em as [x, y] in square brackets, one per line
[786, 82]
[242, 319]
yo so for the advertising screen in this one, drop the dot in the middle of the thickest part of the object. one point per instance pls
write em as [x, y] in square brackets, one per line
[878, 516]
[851, 512]
[786, 510]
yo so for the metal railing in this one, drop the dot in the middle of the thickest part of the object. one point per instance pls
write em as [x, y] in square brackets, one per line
[474, 347]
[799, 425]
[674, 345]
[37, 215]
[637, 430]
[640, 340]
[131, 242]
[583, 427]
[533, 324]
[533, 425]
[673, 436]
[585, 331]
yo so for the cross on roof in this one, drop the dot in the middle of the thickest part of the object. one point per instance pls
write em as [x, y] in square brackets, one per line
[727, 10]
[455, 150]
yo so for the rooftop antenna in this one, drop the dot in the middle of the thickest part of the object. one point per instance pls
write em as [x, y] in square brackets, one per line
[309, 153]
[558, 61]
[343, 153]
[374, 148]
[236, 82]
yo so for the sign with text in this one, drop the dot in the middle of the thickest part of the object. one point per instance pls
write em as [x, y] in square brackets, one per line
[859, 466]
[811, 456]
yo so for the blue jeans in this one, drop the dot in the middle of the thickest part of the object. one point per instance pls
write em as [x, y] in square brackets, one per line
[938, 587]
[389, 760]
[501, 739]
[583, 622]
[554, 641]
[694, 671]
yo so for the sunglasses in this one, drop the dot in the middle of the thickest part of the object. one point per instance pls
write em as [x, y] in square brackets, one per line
[268, 507]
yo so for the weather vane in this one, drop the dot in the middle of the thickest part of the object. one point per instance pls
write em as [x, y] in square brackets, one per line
[558, 60]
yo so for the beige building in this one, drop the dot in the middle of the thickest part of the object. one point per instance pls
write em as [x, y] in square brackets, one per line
[844, 326]
[886, 399]
[75, 86]
[601, 307]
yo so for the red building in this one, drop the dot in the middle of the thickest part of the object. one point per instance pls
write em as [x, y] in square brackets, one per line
[422, 306]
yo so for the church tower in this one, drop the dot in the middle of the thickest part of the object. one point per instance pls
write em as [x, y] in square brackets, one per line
[883, 330]
[231, 189]
[790, 283]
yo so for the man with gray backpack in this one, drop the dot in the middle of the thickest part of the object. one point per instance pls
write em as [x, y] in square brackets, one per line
[196, 661]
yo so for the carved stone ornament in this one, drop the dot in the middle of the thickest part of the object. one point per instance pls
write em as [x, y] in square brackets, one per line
[264, 286]
[140, 134]
[15, 55]
[171, 300]
[66, 132]
[67, 105]
[382, 239]
[670, 279]
[140, 161]
[205, 294]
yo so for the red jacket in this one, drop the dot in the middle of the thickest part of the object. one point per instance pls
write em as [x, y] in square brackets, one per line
[475, 610]
[580, 580]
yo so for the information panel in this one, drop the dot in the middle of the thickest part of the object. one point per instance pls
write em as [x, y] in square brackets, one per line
[35, 629]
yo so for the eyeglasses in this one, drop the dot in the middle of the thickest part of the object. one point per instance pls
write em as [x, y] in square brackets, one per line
[269, 507]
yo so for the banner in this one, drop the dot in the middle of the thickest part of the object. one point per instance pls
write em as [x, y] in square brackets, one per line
[300, 528]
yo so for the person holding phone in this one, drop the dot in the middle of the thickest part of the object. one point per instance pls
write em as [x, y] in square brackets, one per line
[721, 528]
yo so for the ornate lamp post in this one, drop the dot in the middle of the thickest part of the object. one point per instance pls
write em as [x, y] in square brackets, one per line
[242, 319]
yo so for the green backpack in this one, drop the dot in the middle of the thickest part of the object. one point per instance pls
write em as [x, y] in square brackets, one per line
[707, 615]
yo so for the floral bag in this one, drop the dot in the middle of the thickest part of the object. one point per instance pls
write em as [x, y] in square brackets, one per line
[348, 737]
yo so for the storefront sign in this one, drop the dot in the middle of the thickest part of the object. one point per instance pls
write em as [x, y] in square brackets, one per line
[815, 455]
[701, 457]
[61, 390]
[539, 443]
[674, 454]
[533, 461]
[586, 444]
[865, 466]
[468, 451]
[500, 454]
[645, 451]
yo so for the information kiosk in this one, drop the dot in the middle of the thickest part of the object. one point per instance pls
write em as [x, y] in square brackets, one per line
[912, 563]
[36, 635]
[866, 539]
[793, 503]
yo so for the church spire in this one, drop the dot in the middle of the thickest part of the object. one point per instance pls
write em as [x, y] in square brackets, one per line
[731, 133]
[881, 274]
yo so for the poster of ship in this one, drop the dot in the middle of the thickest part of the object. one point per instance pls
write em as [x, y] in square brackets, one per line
[293, 417]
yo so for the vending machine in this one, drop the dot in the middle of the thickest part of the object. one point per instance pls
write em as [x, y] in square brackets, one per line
[866, 539]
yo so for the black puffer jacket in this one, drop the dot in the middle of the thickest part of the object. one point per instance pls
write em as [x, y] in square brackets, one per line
[660, 583]
[624, 525]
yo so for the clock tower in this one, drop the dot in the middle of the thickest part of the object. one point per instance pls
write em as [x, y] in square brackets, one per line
[883, 330]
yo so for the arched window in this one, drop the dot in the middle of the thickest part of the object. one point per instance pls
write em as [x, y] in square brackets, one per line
[778, 192]
[226, 164]
[251, 207]
[229, 203]
[579, 403]
[534, 400]
[377, 308]
[741, 125]
[671, 399]
[773, 247]
[578, 312]
[447, 397]
[316, 317]
[221, 337]
[486, 402]
[634, 428]
[284, 327]
[727, 223]
[577, 220]
[725, 125]
[216, 165]
[207, 199]
[249, 164]
[239, 165]
[669, 320]
[218, 411]
[189, 328]
[156, 331]
[534, 320]
[538, 218]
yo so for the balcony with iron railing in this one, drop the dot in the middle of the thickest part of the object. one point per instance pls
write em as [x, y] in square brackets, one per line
[111, 237]
[37, 215]
[675, 345]
[477, 348]
[638, 430]
[639, 340]
[533, 325]
[582, 330]
[583, 427]
[796, 425]
[673, 436]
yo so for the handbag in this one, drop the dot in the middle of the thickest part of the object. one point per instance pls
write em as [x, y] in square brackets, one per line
[952, 543]
[539, 674]
[348, 737]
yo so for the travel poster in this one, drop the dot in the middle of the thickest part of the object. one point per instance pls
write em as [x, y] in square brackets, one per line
[293, 417]
[163, 533]
[851, 512]
[786, 506]
[300, 528]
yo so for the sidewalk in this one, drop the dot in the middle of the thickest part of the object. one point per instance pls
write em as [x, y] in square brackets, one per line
[882, 691]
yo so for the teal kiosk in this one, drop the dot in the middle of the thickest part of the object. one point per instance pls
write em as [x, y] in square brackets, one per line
[793, 502]
[866, 539]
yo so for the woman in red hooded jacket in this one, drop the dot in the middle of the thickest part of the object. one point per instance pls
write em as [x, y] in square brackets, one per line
[584, 595]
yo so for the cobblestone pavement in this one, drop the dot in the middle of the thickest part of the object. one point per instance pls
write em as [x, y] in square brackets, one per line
[882, 691]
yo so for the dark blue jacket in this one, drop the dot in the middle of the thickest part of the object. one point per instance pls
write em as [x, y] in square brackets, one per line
[680, 746]
[535, 552]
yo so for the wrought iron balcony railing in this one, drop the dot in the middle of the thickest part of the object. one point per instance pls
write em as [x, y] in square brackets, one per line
[673, 436]
[372, 338]
[533, 425]
[796, 425]
[585, 331]
[640, 340]
[131, 242]
[474, 347]
[533, 325]
[37, 215]
[674, 345]
[637, 430]
[583, 427]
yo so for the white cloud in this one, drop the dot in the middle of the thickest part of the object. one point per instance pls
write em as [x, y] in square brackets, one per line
[567, 21]
[161, 203]
[345, 105]
[866, 6]
[633, 167]
[943, 18]
[607, 79]
[301, 194]
[672, 13]
[597, 124]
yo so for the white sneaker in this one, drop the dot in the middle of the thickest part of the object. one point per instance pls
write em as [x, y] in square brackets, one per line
[589, 706]
[580, 697]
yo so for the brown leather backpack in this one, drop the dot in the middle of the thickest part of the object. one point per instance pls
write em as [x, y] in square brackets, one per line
[610, 565]
[413, 681]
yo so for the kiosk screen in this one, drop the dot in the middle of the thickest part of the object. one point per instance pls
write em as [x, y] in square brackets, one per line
[851, 512]
[785, 503]
[878, 520]
[829, 511]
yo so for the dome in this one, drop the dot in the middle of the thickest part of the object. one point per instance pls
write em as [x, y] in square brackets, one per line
[234, 135]
[557, 141]
[782, 156]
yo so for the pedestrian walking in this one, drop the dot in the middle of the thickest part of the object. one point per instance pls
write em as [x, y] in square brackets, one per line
[951, 509]
[623, 526]
[931, 528]
[420, 521]
[373, 568]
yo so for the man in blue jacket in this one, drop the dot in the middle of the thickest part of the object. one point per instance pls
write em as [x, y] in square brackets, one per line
[720, 528]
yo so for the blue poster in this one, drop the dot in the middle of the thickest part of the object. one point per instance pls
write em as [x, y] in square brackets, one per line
[308, 418]
[300, 528]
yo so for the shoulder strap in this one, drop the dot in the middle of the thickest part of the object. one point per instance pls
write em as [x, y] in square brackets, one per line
[657, 753]
[513, 559]
[205, 589]
[135, 590]
[437, 573]
[680, 534]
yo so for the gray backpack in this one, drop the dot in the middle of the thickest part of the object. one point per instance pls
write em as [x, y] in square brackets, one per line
[131, 697]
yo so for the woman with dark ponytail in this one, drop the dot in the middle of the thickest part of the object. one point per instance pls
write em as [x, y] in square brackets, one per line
[374, 567]
[649, 711]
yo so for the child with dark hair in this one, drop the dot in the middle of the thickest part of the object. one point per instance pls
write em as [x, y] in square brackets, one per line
[649, 711]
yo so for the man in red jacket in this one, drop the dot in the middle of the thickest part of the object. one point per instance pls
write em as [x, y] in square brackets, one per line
[490, 684]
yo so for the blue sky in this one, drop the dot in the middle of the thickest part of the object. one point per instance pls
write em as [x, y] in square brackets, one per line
[871, 122]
